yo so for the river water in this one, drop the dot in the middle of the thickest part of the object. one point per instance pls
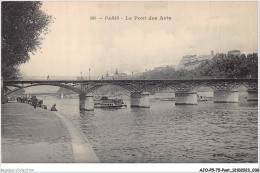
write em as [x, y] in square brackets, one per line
[164, 133]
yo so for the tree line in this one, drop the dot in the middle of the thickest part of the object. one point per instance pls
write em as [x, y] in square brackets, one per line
[220, 66]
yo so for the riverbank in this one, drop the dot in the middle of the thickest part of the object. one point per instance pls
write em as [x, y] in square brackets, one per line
[40, 136]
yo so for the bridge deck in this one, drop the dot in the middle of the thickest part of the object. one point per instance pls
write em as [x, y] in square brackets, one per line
[128, 80]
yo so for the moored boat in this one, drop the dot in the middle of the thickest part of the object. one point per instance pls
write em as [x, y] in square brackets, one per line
[167, 99]
[105, 102]
[202, 98]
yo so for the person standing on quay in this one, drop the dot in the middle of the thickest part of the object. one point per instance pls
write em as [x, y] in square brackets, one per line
[34, 101]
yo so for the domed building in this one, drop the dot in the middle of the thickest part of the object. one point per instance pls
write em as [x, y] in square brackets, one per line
[116, 76]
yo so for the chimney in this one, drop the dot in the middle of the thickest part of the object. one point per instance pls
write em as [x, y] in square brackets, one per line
[212, 53]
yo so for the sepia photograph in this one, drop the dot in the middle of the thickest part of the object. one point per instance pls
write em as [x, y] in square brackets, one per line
[107, 82]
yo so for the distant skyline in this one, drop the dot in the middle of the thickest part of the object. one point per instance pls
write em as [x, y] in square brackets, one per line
[75, 43]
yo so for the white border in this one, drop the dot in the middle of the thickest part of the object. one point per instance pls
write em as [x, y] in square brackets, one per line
[158, 167]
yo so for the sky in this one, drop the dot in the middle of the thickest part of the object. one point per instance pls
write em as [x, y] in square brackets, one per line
[76, 44]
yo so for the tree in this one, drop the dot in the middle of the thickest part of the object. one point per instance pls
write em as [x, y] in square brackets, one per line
[230, 66]
[220, 66]
[22, 26]
[252, 65]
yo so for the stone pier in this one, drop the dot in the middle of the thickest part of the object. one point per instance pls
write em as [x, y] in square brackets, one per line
[86, 102]
[185, 98]
[141, 100]
[252, 95]
[226, 96]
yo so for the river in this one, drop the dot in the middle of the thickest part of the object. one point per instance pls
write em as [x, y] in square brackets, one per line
[164, 133]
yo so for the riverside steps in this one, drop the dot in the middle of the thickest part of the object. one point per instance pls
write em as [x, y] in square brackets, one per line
[40, 136]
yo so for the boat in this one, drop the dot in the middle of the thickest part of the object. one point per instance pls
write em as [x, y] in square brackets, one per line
[202, 98]
[105, 102]
[167, 99]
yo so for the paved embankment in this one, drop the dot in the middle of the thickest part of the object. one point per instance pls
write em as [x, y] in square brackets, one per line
[40, 136]
[83, 152]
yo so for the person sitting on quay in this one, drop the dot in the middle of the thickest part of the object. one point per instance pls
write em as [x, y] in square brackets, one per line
[53, 108]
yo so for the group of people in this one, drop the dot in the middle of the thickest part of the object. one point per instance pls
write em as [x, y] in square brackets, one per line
[22, 99]
[30, 100]
[34, 101]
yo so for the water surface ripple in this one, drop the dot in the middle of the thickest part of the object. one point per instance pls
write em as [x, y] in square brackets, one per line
[164, 133]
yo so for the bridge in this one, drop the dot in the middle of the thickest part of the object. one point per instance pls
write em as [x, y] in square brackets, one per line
[225, 90]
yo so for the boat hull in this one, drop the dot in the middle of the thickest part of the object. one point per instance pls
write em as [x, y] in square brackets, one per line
[110, 107]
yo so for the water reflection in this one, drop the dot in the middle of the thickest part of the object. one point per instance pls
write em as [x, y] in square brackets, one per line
[85, 113]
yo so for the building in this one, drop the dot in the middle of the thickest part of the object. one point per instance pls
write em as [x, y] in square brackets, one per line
[116, 76]
[234, 52]
[190, 62]
[162, 68]
[120, 76]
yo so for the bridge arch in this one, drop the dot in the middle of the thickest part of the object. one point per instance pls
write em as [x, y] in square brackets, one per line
[72, 88]
[129, 86]
[94, 88]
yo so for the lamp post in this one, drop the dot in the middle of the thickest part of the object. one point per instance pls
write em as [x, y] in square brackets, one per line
[81, 80]
[89, 73]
